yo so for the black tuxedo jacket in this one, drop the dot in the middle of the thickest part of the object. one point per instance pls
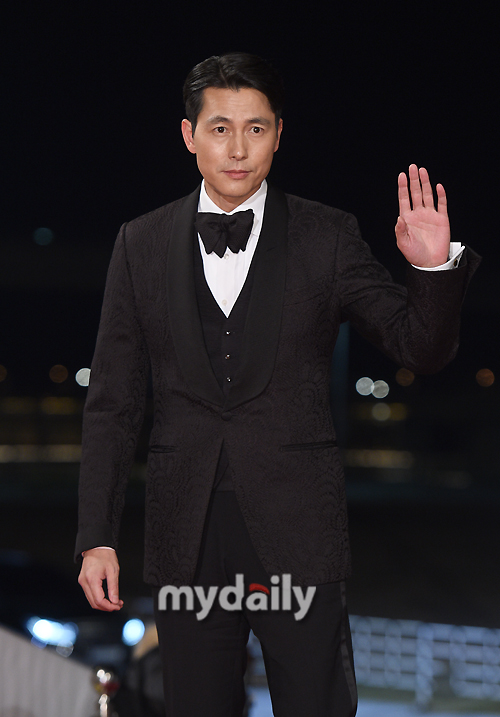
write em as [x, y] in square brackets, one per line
[312, 272]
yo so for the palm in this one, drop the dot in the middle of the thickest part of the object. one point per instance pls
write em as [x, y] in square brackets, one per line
[422, 232]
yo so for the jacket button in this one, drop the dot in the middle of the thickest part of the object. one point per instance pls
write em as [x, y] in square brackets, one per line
[226, 416]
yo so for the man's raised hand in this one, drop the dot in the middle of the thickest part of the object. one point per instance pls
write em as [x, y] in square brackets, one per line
[100, 564]
[422, 232]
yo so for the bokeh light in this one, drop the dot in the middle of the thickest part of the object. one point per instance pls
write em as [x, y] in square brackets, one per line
[364, 386]
[380, 389]
[405, 377]
[485, 377]
[381, 412]
[58, 373]
[51, 632]
[399, 412]
[43, 236]
[133, 631]
[82, 377]
[59, 406]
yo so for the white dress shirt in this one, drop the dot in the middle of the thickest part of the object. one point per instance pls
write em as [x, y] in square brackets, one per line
[225, 276]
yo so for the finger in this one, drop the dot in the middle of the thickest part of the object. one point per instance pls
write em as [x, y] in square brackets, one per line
[112, 582]
[98, 599]
[427, 195]
[415, 188]
[442, 201]
[91, 580]
[403, 196]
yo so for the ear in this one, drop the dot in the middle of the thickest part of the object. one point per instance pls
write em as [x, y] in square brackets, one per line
[187, 134]
[280, 127]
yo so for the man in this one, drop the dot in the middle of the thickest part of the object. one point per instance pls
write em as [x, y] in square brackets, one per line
[236, 318]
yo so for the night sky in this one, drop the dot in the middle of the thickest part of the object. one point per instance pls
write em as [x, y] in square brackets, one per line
[91, 110]
[91, 105]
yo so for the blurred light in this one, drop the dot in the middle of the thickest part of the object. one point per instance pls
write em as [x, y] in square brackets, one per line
[364, 386]
[364, 411]
[485, 377]
[132, 632]
[59, 406]
[18, 405]
[22, 405]
[83, 377]
[65, 650]
[399, 412]
[381, 412]
[29, 453]
[378, 458]
[58, 373]
[3, 373]
[43, 236]
[51, 632]
[380, 389]
[405, 377]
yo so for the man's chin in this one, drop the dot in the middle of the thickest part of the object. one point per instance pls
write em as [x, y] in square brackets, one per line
[233, 193]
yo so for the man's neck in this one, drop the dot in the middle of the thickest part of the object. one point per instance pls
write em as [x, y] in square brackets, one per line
[227, 204]
[227, 207]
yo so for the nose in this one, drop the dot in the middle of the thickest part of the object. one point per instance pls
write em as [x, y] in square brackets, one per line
[237, 147]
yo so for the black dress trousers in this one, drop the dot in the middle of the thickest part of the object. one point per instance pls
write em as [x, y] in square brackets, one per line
[309, 662]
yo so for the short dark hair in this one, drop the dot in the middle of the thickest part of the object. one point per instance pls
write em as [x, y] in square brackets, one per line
[233, 71]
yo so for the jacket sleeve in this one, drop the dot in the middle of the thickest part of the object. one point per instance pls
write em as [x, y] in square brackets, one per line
[417, 325]
[114, 409]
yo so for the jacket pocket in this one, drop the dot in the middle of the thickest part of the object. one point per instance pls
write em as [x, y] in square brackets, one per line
[162, 449]
[308, 446]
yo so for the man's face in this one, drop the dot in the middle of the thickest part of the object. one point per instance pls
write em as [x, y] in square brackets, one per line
[234, 142]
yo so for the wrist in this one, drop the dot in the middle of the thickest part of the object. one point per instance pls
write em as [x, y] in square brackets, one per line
[100, 547]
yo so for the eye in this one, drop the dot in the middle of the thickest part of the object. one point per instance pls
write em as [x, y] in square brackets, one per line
[220, 130]
[257, 130]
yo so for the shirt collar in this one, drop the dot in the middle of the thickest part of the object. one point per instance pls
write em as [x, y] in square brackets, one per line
[256, 202]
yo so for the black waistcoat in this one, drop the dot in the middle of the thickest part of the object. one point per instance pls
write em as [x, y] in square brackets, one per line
[223, 340]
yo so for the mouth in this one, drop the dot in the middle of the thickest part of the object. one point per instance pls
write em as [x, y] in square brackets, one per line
[236, 173]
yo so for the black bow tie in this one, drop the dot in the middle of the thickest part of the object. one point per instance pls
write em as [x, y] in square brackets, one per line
[220, 231]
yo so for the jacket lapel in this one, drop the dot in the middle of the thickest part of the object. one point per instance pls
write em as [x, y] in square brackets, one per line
[262, 327]
[187, 332]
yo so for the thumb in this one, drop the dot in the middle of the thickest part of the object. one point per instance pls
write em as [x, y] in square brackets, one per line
[401, 229]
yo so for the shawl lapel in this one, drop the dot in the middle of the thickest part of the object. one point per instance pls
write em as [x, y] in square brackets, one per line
[187, 332]
[262, 326]
[261, 334]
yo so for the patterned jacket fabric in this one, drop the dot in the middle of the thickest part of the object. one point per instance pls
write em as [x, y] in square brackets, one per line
[312, 272]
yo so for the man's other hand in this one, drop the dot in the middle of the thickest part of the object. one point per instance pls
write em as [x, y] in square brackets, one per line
[422, 232]
[100, 564]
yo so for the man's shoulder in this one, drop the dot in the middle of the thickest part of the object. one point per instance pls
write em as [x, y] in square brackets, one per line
[311, 213]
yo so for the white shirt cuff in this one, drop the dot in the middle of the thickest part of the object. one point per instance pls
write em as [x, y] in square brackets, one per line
[98, 547]
[456, 251]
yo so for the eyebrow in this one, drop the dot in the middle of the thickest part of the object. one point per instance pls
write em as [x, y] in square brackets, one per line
[252, 120]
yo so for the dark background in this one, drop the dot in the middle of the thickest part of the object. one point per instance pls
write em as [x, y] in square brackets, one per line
[91, 108]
